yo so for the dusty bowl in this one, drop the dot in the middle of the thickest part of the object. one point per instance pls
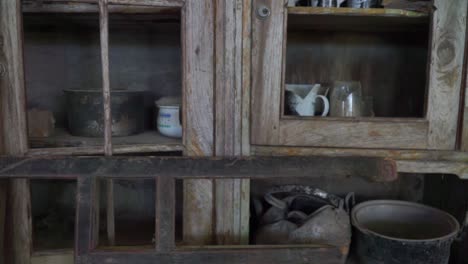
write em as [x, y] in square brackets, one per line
[86, 113]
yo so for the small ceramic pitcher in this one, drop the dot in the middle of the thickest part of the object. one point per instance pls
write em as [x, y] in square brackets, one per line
[301, 99]
[168, 121]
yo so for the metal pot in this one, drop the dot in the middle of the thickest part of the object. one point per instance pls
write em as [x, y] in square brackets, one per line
[86, 113]
[394, 232]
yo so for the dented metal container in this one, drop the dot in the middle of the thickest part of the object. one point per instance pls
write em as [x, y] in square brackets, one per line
[395, 232]
[85, 112]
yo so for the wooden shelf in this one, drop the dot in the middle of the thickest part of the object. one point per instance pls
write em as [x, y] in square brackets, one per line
[356, 19]
[346, 11]
[76, 7]
[62, 143]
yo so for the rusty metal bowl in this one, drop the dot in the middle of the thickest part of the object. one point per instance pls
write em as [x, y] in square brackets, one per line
[85, 112]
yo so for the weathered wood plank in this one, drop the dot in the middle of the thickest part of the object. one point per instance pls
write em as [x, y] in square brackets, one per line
[86, 227]
[198, 212]
[434, 167]
[402, 154]
[245, 104]
[104, 34]
[246, 74]
[231, 226]
[14, 133]
[160, 3]
[12, 93]
[464, 137]
[81, 8]
[445, 73]
[410, 161]
[464, 124]
[117, 149]
[198, 122]
[3, 203]
[59, 257]
[228, 77]
[268, 35]
[19, 244]
[254, 255]
[357, 134]
[165, 214]
[381, 12]
[377, 169]
[198, 72]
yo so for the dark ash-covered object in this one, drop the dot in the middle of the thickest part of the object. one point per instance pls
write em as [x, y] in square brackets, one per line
[86, 113]
[303, 215]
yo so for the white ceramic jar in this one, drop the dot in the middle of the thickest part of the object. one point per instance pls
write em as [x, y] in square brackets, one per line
[168, 122]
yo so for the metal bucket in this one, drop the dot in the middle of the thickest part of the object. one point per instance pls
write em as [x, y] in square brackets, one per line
[86, 114]
[394, 232]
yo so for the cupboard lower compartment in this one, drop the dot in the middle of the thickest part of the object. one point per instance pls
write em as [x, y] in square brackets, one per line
[442, 191]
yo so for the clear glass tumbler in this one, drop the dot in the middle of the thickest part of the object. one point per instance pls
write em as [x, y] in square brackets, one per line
[346, 99]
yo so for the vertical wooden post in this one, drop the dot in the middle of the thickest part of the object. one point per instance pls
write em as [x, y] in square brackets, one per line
[3, 197]
[231, 196]
[13, 133]
[165, 214]
[198, 121]
[464, 112]
[268, 35]
[104, 26]
[464, 138]
[445, 75]
[246, 74]
[86, 198]
[20, 225]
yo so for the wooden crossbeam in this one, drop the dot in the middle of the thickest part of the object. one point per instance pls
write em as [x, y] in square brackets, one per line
[158, 3]
[375, 169]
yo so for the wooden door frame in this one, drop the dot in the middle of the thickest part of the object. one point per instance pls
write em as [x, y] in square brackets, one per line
[437, 131]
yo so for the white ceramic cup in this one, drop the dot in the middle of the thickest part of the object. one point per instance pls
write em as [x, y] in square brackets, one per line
[168, 122]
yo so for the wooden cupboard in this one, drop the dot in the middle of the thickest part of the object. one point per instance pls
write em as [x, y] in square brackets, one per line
[410, 63]
[235, 57]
